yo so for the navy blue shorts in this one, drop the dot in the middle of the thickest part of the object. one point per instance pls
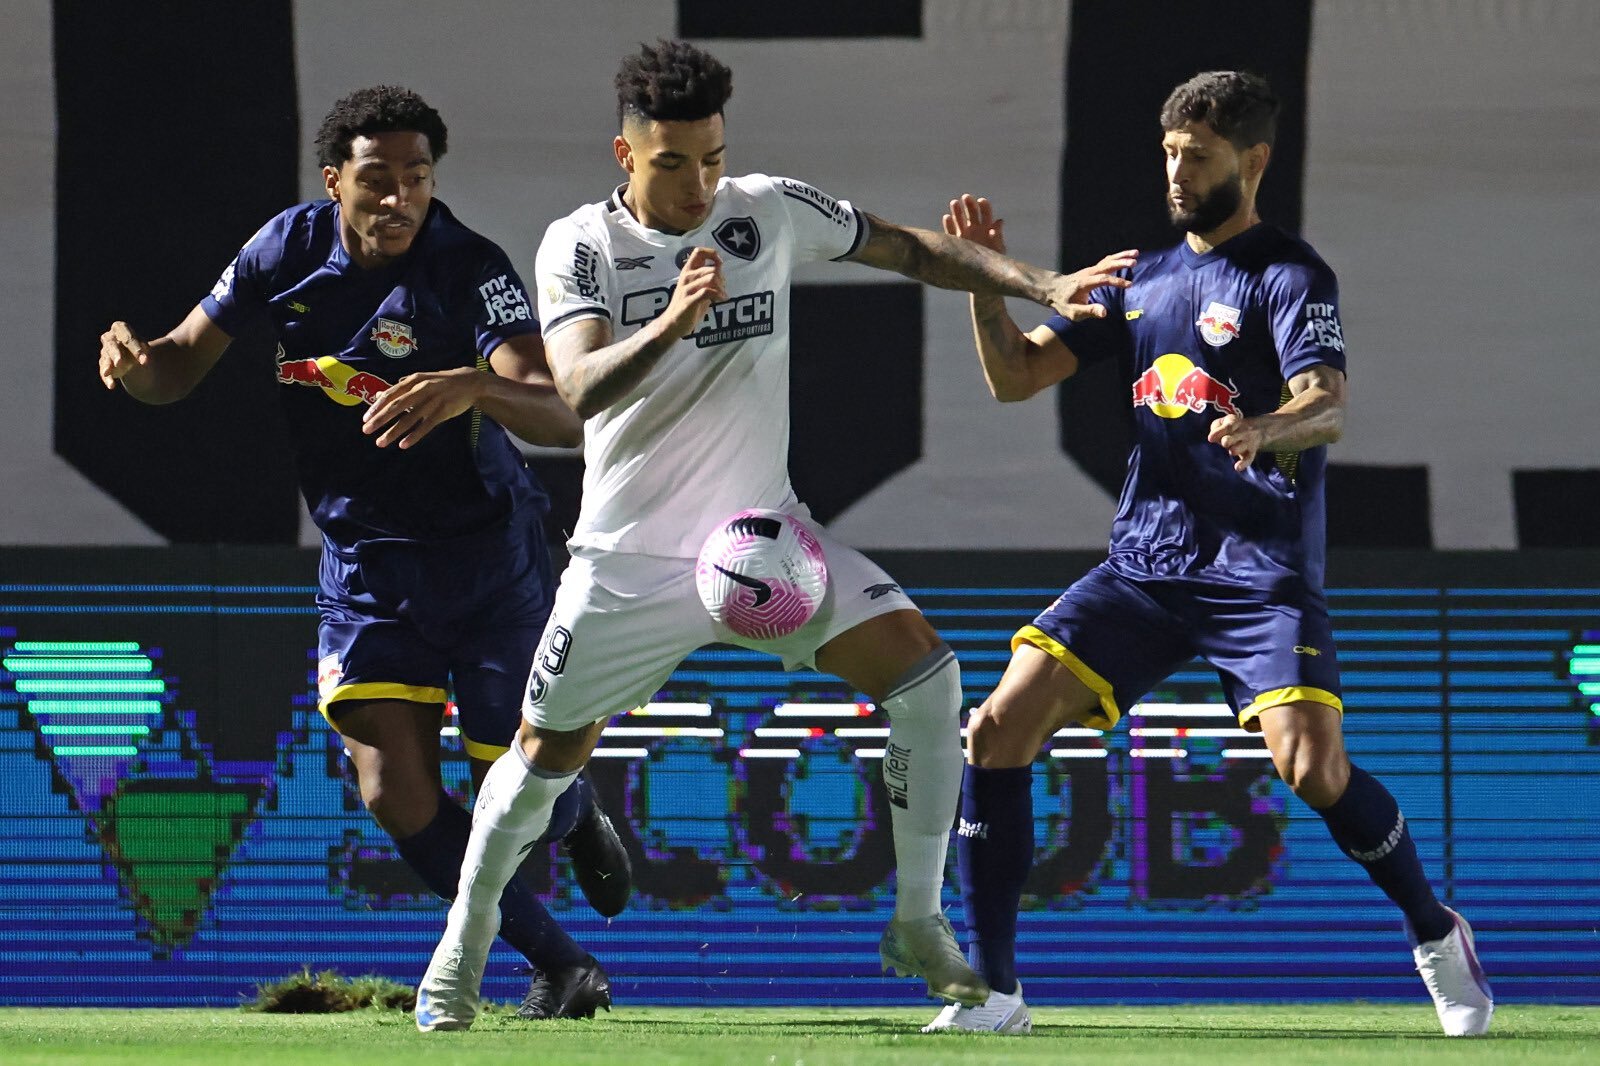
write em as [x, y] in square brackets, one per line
[1121, 637]
[408, 621]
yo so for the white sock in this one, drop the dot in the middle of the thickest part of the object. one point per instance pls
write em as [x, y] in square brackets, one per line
[922, 771]
[513, 808]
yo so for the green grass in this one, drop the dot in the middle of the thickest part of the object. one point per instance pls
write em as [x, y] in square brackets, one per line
[1213, 1036]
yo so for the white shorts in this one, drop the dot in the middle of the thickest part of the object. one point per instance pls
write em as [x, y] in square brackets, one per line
[623, 622]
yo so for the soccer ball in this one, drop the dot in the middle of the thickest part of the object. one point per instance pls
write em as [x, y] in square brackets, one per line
[761, 574]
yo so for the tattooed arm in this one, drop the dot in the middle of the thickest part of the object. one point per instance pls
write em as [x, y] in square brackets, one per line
[948, 261]
[1018, 365]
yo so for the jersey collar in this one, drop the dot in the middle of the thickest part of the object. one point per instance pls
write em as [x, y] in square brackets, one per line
[1228, 249]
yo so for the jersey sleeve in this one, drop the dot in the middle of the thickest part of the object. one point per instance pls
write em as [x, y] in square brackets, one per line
[823, 228]
[1094, 340]
[504, 311]
[568, 271]
[239, 298]
[1303, 306]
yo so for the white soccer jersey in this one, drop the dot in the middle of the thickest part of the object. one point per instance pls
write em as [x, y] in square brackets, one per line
[706, 433]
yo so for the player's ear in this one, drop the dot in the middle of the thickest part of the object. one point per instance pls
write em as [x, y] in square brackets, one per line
[330, 181]
[1255, 159]
[624, 153]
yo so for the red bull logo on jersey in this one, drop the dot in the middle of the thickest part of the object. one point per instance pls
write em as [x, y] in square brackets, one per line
[343, 384]
[1174, 387]
[1219, 324]
[393, 339]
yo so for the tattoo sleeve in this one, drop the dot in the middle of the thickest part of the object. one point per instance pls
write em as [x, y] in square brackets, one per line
[947, 262]
[593, 374]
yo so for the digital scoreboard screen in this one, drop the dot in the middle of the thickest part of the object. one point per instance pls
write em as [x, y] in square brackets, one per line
[177, 822]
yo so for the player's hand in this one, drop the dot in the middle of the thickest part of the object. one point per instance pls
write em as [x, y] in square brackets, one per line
[1070, 293]
[700, 284]
[1242, 437]
[415, 405]
[121, 351]
[972, 218]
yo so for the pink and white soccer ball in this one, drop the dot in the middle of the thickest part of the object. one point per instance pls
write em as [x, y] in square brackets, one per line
[761, 574]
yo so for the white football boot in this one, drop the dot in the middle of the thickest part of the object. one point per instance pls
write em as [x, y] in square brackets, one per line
[447, 998]
[926, 948]
[1000, 1013]
[1455, 980]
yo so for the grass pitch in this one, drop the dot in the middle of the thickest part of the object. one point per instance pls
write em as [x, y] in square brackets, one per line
[1209, 1035]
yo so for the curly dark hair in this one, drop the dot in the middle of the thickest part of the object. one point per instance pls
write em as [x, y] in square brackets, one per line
[672, 81]
[1239, 106]
[379, 109]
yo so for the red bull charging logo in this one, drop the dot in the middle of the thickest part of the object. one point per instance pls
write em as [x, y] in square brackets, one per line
[1174, 387]
[343, 383]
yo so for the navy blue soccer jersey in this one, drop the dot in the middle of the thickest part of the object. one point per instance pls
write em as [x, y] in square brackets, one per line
[1200, 335]
[345, 334]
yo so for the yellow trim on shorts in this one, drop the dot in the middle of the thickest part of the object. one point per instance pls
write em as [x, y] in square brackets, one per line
[1250, 716]
[1098, 685]
[381, 690]
[486, 752]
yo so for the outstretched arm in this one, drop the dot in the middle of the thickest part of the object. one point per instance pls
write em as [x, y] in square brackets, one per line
[167, 368]
[949, 262]
[1016, 365]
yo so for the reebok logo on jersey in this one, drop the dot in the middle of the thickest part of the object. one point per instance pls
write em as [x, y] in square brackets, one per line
[736, 319]
[879, 591]
[631, 262]
[584, 265]
[739, 237]
[504, 301]
[762, 590]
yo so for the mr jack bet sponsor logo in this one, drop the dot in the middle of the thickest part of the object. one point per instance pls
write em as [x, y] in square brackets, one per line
[504, 301]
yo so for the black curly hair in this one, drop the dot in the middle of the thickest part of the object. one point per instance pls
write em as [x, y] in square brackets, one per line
[672, 81]
[379, 109]
[1239, 106]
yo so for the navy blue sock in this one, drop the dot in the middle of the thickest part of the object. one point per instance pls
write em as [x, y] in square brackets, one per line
[1367, 825]
[571, 807]
[436, 853]
[994, 852]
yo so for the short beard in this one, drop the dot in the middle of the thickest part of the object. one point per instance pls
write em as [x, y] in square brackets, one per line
[1214, 208]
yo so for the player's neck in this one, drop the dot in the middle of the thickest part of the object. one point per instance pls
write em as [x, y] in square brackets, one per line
[644, 218]
[1242, 220]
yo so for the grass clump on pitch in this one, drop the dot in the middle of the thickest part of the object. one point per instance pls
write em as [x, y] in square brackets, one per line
[330, 992]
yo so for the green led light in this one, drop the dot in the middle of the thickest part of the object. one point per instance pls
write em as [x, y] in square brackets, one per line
[1594, 708]
[94, 730]
[1587, 649]
[26, 685]
[1589, 688]
[68, 647]
[93, 707]
[131, 664]
[108, 752]
[1585, 666]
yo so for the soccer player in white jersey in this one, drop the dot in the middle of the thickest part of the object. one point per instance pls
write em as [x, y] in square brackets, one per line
[665, 316]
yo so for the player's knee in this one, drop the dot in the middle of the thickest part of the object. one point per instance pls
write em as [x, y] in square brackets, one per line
[1317, 777]
[999, 736]
[399, 811]
[930, 690]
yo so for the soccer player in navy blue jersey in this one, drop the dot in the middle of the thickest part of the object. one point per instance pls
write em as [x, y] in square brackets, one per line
[407, 347]
[1233, 348]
